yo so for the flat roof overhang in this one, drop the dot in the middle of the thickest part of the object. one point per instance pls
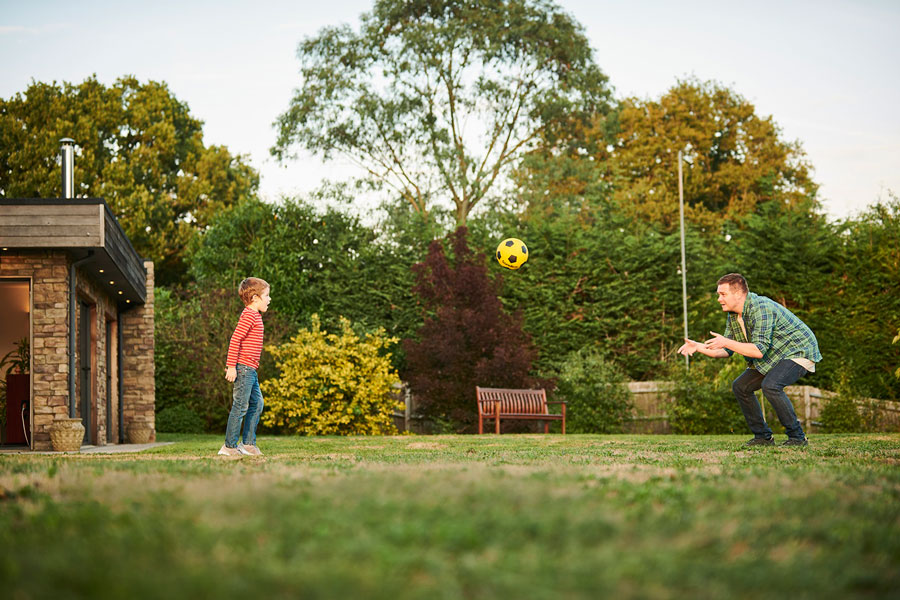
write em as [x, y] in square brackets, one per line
[86, 229]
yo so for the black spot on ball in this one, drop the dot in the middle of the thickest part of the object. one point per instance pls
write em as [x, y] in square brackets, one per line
[524, 250]
[498, 255]
[512, 259]
[509, 242]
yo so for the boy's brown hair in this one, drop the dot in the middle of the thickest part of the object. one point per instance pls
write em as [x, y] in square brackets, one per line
[252, 286]
[734, 280]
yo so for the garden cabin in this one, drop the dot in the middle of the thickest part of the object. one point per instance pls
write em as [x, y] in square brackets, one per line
[76, 336]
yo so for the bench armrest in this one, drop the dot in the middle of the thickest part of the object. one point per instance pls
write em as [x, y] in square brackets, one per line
[556, 402]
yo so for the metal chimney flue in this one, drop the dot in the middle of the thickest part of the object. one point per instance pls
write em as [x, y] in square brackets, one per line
[67, 152]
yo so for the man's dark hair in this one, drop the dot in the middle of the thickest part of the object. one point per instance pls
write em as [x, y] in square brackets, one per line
[734, 280]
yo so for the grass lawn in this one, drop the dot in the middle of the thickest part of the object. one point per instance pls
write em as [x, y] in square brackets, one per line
[514, 516]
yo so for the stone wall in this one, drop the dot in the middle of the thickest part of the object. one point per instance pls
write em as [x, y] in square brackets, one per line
[49, 274]
[138, 370]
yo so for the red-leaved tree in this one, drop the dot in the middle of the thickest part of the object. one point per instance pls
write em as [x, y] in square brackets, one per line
[467, 339]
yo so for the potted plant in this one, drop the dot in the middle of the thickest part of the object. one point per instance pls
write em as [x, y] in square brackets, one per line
[14, 391]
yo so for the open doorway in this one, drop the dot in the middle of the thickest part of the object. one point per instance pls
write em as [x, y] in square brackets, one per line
[86, 367]
[15, 362]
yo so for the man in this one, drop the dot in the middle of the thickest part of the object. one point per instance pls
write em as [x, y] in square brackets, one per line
[778, 347]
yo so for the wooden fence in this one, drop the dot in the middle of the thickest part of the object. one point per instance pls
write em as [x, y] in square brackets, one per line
[652, 400]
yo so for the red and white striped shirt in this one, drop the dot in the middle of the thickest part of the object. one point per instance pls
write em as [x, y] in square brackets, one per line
[247, 340]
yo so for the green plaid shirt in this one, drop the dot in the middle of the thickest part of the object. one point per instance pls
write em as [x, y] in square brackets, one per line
[775, 330]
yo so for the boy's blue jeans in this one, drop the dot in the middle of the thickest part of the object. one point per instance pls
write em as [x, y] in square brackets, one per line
[772, 384]
[246, 401]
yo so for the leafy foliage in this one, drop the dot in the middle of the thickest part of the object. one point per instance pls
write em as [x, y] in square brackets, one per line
[848, 411]
[598, 399]
[865, 306]
[597, 279]
[323, 262]
[179, 419]
[332, 384]
[840, 414]
[440, 98]
[467, 339]
[703, 400]
[139, 148]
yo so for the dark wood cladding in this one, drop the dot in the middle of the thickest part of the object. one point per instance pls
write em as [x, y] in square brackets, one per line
[124, 255]
[50, 225]
[78, 225]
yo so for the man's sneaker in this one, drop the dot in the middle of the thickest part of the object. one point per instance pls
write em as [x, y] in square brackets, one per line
[796, 442]
[760, 442]
[249, 450]
[226, 451]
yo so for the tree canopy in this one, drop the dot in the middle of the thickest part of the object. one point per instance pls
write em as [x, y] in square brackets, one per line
[735, 159]
[138, 147]
[438, 99]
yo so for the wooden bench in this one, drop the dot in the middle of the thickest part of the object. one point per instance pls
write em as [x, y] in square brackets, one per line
[499, 403]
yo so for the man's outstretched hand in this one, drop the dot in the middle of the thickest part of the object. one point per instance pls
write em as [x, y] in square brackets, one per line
[717, 342]
[689, 347]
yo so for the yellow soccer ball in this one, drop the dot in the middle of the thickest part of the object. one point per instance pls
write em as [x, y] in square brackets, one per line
[512, 253]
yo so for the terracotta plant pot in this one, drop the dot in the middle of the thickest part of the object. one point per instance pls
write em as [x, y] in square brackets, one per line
[66, 435]
[139, 432]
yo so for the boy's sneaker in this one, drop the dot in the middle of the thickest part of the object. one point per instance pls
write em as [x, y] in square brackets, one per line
[796, 442]
[226, 451]
[760, 442]
[249, 450]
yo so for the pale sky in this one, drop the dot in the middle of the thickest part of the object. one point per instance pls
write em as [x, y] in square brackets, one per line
[827, 71]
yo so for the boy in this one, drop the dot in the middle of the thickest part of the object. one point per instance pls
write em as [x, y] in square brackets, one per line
[243, 360]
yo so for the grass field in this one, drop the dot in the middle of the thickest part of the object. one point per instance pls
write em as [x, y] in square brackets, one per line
[515, 516]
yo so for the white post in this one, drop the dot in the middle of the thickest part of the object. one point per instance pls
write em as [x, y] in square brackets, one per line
[406, 407]
[687, 362]
[807, 401]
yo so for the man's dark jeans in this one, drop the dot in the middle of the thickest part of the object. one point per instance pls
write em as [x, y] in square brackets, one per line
[785, 373]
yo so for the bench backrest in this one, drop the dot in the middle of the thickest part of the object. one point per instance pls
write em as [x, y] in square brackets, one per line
[532, 402]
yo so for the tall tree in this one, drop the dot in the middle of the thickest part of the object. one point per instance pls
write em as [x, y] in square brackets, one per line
[467, 339]
[439, 98]
[139, 148]
[735, 159]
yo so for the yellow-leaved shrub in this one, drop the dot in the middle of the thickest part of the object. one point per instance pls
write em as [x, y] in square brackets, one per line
[332, 384]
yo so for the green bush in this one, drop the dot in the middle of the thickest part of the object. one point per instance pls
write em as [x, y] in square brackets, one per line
[594, 388]
[703, 400]
[841, 413]
[179, 419]
[332, 384]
